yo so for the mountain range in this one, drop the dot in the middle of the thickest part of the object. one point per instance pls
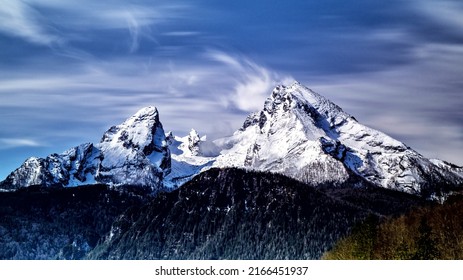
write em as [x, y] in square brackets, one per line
[298, 133]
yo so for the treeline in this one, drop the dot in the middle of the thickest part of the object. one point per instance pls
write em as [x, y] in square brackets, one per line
[425, 233]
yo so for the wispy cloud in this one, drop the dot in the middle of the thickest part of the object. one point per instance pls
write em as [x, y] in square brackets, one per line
[186, 93]
[7, 143]
[134, 30]
[447, 12]
[181, 33]
[22, 20]
[64, 26]
[253, 82]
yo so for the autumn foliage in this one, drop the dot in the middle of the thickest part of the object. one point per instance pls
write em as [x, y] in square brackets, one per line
[427, 233]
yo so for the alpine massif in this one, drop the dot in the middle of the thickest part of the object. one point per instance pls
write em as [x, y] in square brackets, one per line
[298, 133]
[289, 184]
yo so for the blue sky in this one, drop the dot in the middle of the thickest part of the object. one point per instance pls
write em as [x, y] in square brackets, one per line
[71, 69]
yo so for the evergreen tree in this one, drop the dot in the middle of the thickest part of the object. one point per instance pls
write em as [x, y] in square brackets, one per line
[426, 244]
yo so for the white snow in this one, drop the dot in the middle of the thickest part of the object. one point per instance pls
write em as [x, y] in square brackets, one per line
[184, 163]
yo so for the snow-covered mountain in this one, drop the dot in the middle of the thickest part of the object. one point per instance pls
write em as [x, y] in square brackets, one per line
[298, 133]
[132, 153]
[189, 156]
[301, 134]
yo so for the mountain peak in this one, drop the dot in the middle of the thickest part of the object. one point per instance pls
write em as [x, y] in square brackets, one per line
[133, 153]
[300, 106]
[138, 143]
[306, 136]
[301, 95]
[193, 142]
[137, 131]
[147, 114]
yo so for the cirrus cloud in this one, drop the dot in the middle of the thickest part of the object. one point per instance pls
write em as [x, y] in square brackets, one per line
[8, 143]
[22, 20]
[252, 84]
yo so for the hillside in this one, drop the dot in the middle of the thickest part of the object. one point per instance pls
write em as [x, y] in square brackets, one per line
[238, 214]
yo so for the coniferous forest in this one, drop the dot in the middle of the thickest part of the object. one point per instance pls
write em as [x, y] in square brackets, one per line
[228, 214]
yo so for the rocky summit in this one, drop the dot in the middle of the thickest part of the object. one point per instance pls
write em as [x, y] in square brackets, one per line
[132, 153]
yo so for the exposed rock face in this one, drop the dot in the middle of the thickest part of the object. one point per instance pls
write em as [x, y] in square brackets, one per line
[135, 152]
[132, 153]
